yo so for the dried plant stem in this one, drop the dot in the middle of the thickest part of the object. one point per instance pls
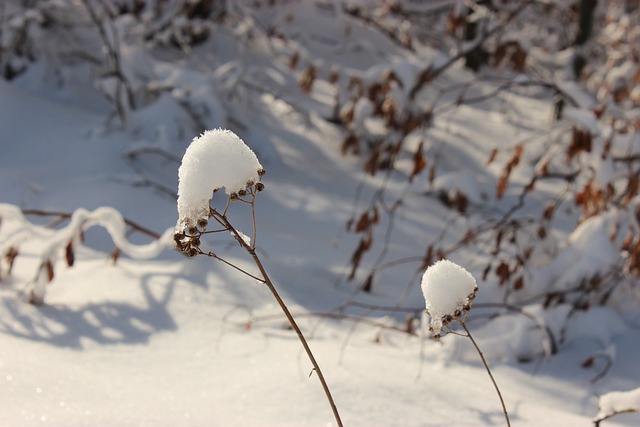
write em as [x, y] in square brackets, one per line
[267, 281]
[486, 366]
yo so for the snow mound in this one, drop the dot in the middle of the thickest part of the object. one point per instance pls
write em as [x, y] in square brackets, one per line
[218, 158]
[448, 290]
[617, 402]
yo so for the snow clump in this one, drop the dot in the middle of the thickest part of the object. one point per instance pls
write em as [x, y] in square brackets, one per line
[617, 402]
[218, 158]
[448, 291]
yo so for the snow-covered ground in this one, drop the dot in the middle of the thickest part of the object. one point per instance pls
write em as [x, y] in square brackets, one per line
[173, 341]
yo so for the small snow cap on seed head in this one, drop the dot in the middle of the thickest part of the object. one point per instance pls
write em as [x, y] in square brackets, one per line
[218, 158]
[448, 291]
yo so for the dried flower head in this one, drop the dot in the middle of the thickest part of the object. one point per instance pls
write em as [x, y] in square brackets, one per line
[216, 159]
[449, 291]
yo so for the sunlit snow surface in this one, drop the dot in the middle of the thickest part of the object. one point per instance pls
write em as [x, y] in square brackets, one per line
[216, 159]
[189, 342]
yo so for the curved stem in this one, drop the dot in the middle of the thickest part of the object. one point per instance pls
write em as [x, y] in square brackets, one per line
[486, 366]
[287, 313]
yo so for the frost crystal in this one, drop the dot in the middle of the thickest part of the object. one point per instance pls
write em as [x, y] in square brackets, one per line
[216, 159]
[448, 291]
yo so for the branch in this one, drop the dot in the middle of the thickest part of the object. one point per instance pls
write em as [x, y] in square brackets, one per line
[67, 215]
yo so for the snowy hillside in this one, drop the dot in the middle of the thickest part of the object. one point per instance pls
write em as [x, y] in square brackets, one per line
[383, 151]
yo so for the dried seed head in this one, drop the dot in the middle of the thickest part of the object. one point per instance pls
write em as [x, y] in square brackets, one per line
[259, 186]
[193, 229]
[233, 196]
[242, 193]
[261, 172]
[250, 183]
[192, 252]
[178, 237]
[202, 223]
[195, 241]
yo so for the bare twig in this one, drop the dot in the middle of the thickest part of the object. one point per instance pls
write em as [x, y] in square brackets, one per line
[250, 249]
[67, 215]
[486, 366]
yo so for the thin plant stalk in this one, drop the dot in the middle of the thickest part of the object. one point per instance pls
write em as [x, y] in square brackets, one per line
[486, 366]
[267, 281]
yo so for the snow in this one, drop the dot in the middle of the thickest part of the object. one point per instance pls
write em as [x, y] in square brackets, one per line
[448, 290]
[618, 402]
[218, 158]
[155, 339]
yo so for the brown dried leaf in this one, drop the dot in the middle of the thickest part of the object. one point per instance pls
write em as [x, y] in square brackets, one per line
[587, 363]
[517, 154]
[460, 202]
[69, 254]
[485, 272]
[526, 255]
[333, 76]
[499, 236]
[502, 271]
[409, 324]
[432, 174]
[580, 141]
[373, 162]
[628, 239]
[10, 256]
[307, 79]
[519, 283]
[542, 232]
[548, 212]
[518, 59]
[115, 255]
[454, 22]
[367, 286]
[363, 223]
[419, 162]
[294, 60]
[492, 156]
[350, 144]
[363, 246]
[544, 169]
[499, 55]
[633, 185]
[48, 266]
[501, 186]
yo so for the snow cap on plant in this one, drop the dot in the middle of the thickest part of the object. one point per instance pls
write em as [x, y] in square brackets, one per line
[218, 158]
[448, 291]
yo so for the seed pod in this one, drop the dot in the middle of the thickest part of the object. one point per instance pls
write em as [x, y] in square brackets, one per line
[261, 172]
[193, 229]
[242, 193]
[259, 186]
[202, 223]
[233, 196]
[195, 241]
